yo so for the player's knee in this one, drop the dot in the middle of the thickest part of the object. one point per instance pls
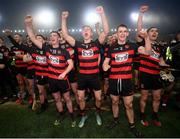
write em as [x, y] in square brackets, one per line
[81, 99]
[128, 106]
[115, 102]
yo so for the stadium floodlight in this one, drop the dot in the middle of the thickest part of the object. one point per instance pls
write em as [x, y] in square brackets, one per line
[91, 17]
[45, 17]
[134, 16]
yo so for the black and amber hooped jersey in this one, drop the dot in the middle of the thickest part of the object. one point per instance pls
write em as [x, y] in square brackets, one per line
[121, 59]
[19, 63]
[88, 55]
[56, 59]
[150, 63]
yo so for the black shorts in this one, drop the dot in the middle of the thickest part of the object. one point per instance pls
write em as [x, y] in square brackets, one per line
[22, 71]
[72, 76]
[90, 81]
[30, 74]
[41, 80]
[120, 87]
[150, 81]
[58, 85]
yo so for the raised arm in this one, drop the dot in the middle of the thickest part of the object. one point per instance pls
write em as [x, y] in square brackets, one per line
[97, 27]
[29, 28]
[66, 35]
[147, 50]
[142, 10]
[105, 24]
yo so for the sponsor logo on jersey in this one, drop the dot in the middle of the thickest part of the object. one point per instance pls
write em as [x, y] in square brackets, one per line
[87, 53]
[121, 57]
[155, 55]
[54, 60]
[41, 59]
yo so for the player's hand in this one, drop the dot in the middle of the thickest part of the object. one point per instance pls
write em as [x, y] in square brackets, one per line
[143, 34]
[106, 67]
[65, 14]
[100, 10]
[28, 20]
[62, 76]
[143, 8]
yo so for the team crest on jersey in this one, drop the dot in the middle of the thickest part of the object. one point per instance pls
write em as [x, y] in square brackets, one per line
[87, 53]
[63, 46]
[54, 60]
[41, 59]
[59, 52]
[86, 46]
[17, 52]
[41, 52]
[155, 55]
[121, 57]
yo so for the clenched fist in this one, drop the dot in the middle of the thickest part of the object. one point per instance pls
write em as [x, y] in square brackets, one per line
[143, 8]
[143, 34]
[65, 14]
[28, 20]
[100, 10]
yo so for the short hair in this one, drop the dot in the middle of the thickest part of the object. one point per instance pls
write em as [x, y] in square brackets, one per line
[59, 29]
[55, 32]
[41, 36]
[122, 25]
[88, 27]
[18, 34]
[150, 29]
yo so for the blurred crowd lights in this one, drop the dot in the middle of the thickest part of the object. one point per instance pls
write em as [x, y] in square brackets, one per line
[72, 30]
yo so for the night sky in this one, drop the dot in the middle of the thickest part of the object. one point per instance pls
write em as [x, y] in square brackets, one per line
[12, 12]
